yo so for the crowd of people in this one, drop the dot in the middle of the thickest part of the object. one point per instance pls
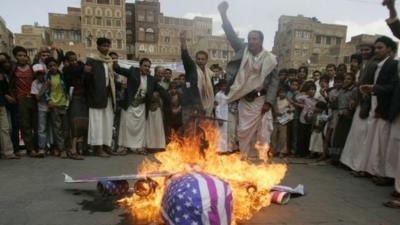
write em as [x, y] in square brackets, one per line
[65, 107]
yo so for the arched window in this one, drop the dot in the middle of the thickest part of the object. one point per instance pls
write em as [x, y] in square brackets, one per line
[117, 13]
[108, 13]
[99, 34]
[88, 11]
[109, 35]
[99, 12]
[149, 34]
[119, 35]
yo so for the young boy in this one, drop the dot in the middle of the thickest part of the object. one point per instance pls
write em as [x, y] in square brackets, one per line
[20, 88]
[307, 103]
[318, 120]
[222, 112]
[57, 100]
[322, 89]
[292, 125]
[282, 115]
[175, 114]
[38, 89]
[78, 110]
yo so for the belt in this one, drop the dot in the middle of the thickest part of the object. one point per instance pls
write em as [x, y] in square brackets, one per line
[254, 94]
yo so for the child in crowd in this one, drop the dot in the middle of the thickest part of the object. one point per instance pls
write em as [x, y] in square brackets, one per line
[318, 119]
[347, 98]
[20, 87]
[322, 89]
[221, 112]
[175, 114]
[57, 100]
[282, 115]
[307, 103]
[39, 89]
[78, 110]
[292, 126]
[333, 94]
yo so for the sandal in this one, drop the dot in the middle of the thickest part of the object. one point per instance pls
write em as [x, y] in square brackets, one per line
[12, 156]
[394, 204]
[140, 151]
[41, 153]
[64, 155]
[74, 156]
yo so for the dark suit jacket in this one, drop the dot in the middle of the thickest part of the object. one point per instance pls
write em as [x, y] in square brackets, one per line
[271, 82]
[384, 87]
[133, 84]
[95, 83]
[395, 106]
[191, 94]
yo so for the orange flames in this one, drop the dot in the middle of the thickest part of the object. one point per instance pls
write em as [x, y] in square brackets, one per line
[250, 183]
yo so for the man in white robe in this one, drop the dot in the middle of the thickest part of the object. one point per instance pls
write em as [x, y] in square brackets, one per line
[99, 78]
[140, 89]
[255, 83]
[394, 116]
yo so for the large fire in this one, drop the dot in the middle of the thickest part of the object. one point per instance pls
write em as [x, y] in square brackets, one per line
[250, 183]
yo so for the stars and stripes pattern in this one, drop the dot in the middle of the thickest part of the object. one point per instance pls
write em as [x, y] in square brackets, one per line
[197, 199]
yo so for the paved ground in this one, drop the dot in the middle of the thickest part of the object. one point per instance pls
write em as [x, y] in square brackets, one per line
[32, 192]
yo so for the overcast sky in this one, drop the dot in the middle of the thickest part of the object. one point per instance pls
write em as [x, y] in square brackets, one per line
[361, 16]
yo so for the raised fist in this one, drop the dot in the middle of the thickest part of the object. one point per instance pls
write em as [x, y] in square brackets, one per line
[223, 7]
[388, 3]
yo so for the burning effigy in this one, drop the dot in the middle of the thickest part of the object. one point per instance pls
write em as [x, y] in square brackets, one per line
[248, 184]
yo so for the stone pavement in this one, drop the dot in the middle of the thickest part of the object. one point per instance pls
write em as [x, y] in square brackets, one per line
[32, 192]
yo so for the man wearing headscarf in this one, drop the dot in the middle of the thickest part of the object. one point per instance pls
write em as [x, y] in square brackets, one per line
[99, 81]
[254, 83]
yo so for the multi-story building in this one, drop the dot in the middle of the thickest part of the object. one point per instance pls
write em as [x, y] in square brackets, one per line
[306, 41]
[103, 18]
[33, 37]
[6, 37]
[65, 30]
[156, 36]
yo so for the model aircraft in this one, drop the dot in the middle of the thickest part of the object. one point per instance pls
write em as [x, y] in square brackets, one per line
[144, 185]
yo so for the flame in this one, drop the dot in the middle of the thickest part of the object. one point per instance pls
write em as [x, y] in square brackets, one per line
[250, 183]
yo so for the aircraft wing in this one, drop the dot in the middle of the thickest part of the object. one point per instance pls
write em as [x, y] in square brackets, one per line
[69, 179]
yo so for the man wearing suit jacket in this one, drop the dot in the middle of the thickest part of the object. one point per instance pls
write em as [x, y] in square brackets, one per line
[255, 83]
[394, 143]
[381, 86]
[135, 104]
[100, 86]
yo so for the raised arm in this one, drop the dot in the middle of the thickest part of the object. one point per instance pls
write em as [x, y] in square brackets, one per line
[187, 61]
[393, 22]
[230, 33]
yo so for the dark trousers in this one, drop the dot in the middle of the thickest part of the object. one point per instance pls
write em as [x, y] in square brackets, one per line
[292, 136]
[12, 110]
[303, 142]
[27, 121]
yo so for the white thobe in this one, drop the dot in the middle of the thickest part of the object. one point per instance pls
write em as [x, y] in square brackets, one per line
[101, 121]
[222, 112]
[132, 128]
